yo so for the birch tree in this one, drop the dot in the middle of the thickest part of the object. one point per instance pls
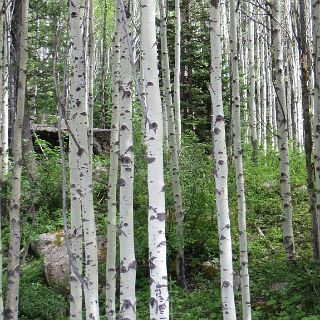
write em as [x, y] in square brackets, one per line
[173, 147]
[221, 161]
[159, 300]
[279, 83]
[2, 145]
[316, 66]
[177, 71]
[305, 67]
[4, 97]
[82, 214]
[11, 311]
[238, 151]
[126, 230]
[252, 85]
[113, 175]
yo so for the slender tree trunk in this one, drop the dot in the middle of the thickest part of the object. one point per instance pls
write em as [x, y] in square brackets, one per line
[128, 262]
[3, 170]
[285, 182]
[264, 123]
[173, 147]
[4, 107]
[80, 165]
[159, 301]
[316, 66]
[221, 160]
[258, 75]
[103, 67]
[177, 72]
[91, 54]
[11, 311]
[308, 144]
[113, 176]
[252, 86]
[238, 152]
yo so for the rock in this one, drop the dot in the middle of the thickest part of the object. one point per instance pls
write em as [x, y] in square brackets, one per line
[52, 247]
[209, 269]
[302, 187]
[57, 268]
[46, 241]
[269, 185]
[100, 173]
[278, 286]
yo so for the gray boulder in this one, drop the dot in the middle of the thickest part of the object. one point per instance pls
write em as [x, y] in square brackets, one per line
[52, 247]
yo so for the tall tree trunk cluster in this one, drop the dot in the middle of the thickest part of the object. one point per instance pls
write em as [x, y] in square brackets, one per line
[273, 113]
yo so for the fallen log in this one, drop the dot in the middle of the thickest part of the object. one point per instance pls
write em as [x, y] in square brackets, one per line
[101, 137]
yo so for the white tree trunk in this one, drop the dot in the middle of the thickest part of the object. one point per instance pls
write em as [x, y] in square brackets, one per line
[159, 301]
[173, 146]
[81, 171]
[221, 159]
[2, 153]
[252, 86]
[263, 92]
[14, 211]
[128, 262]
[258, 75]
[113, 176]
[316, 123]
[238, 152]
[177, 72]
[4, 96]
[285, 182]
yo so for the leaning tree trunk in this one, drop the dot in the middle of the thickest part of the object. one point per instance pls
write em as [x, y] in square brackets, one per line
[221, 160]
[159, 301]
[173, 147]
[238, 152]
[11, 311]
[281, 109]
[316, 66]
[80, 164]
[128, 262]
[113, 176]
[252, 86]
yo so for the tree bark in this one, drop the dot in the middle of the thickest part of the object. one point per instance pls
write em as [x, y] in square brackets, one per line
[113, 176]
[238, 152]
[128, 262]
[281, 109]
[11, 311]
[305, 67]
[221, 161]
[252, 86]
[173, 141]
[159, 301]
[82, 213]
[177, 72]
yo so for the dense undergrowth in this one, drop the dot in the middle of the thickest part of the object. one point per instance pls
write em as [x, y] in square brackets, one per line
[298, 293]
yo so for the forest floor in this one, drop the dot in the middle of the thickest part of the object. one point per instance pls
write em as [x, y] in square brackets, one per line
[279, 290]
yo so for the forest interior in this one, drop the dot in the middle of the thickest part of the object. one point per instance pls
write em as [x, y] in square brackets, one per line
[160, 159]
